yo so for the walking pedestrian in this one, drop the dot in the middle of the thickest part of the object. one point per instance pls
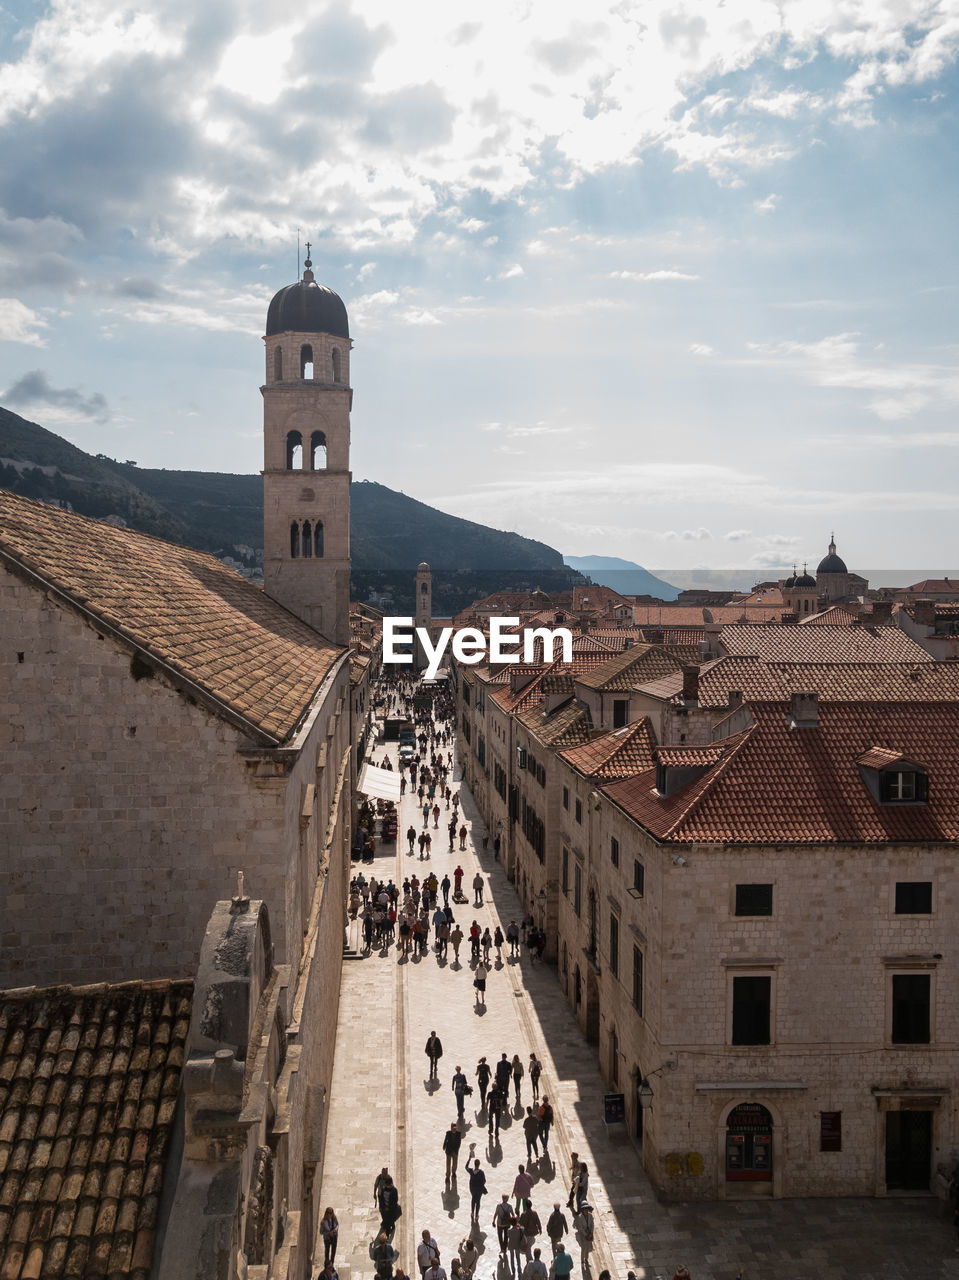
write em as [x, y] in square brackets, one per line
[436, 816]
[451, 1146]
[483, 1073]
[584, 1228]
[545, 1117]
[445, 886]
[535, 1071]
[529, 1221]
[421, 841]
[562, 1263]
[479, 982]
[469, 1254]
[502, 1217]
[390, 1208]
[474, 940]
[477, 1189]
[463, 835]
[498, 941]
[458, 875]
[329, 1233]
[456, 937]
[504, 1069]
[582, 1184]
[518, 1072]
[459, 1086]
[411, 837]
[522, 1186]
[512, 937]
[429, 842]
[536, 1268]
[556, 1226]
[383, 1255]
[477, 886]
[426, 1251]
[531, 1133]
[486, 942]
[516, 1245]
[494, 1108]
[434, 1051]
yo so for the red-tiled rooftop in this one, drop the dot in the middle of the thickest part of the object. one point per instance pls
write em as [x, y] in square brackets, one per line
[622, 753]
[786, 785]
[182, 607]
[689, 615]
[636, 665]
[823, 644]
[834, 681]
[89, 1078]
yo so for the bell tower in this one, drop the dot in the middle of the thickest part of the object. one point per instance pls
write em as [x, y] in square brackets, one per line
[306, 467]
[424, 610]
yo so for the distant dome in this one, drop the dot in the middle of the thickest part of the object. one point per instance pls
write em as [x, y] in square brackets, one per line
[832, 562]
[806, 580]
[307, 307]
[790, 581]
[422, 567]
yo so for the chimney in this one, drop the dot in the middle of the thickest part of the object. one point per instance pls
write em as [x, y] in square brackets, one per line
[804, 710]
[881, 612]
[690, 684]
[628, 643]
[735, 699]
[924, 613]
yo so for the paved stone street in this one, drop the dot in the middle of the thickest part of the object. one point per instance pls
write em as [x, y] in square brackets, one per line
[385, 1111]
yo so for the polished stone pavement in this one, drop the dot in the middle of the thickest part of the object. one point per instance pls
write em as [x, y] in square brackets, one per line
[385, 1111]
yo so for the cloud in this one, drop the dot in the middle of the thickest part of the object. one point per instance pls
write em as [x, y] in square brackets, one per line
[18, 323]
[651, 275]
[737, 535]
[140, 287]
[686, 535]
[701, 349]
[34, 389]
[768, 205]
[511, 272]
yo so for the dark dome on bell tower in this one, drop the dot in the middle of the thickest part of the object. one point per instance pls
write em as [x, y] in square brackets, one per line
[307, 307]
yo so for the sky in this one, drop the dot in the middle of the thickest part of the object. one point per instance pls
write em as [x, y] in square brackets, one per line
[671, 281]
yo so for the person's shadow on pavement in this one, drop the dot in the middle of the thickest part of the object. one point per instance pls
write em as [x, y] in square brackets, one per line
[451, 1199]
[546, 1168]
[431, 1085]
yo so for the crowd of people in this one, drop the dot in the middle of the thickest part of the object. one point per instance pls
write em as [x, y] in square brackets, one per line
[415, 915]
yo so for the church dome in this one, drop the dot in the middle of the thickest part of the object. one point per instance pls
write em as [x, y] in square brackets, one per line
[832, 562]
[422, 567]
[307, 307]
[790, 581]
[805, 580]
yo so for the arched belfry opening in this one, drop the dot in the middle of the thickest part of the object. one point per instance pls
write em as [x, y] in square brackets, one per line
[318, 539]
[306, 362]
[307, 540]
[294, 451]
[294, 540]
[318, 451]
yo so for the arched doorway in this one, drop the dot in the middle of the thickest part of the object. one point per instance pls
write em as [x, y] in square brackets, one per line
[749, 1149]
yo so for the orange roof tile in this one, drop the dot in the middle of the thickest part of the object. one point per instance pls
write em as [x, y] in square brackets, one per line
[640, 663]
[823, 644]
[786, 785]
[565, 727]
[690, 757]
[182, 607]
[835, 616]
[686, 615]
[89, 1078]
[619, 754]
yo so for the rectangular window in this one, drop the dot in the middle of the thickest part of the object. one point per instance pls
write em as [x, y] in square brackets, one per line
[613, 946]
[577, 890]
[620, 712]
[638, 980]
[898, 785]
[910, 1008]
[566, 797]
[913, 897]
[565, 870]
[751, 1004]
[614, 851]
[639, 878]
[754, 899]
[830, 1131]
[578, 812]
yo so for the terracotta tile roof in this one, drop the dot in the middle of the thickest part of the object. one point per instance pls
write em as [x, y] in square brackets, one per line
[89, 1078]
[565, 727]
[672, 635]
[879, 758]
[690, 757]
[835, 616]
[634, 666]
[936, 586]
[687, 615]
[833, 681]
[776, 784]
[619, 754]
[183, 607]
[823, 644]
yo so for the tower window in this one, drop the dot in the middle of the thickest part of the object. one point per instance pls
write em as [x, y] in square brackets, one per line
[306, 361]
[336, 365]
[318, 539]
[278, 365]
[318, 451]
[294, 451]
[294, 540]
[307, 540]
[423, 589]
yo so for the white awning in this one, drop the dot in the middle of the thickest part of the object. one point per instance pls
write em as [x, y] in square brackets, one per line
[380, 784]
